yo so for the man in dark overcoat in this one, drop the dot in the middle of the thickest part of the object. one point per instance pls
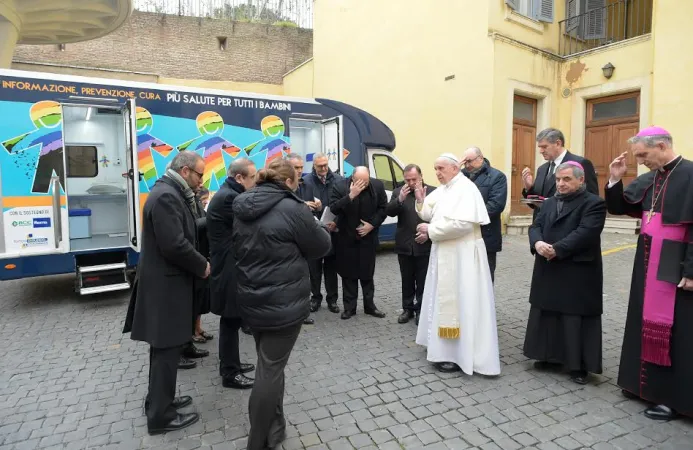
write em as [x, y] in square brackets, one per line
[359, 203]
[223, 281]
[493, 185]
[169, 264]
[565, 327]
[413, 250]
[322, 180]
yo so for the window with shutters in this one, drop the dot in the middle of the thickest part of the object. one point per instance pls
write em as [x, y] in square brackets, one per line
[586, 19]
[540, 10]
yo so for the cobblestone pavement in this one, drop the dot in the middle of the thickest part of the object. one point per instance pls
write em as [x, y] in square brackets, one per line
[69, 379]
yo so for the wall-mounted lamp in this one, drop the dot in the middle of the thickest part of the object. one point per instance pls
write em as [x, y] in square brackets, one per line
[608, 70]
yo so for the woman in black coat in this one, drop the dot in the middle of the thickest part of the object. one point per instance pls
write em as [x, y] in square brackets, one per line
[274, 234]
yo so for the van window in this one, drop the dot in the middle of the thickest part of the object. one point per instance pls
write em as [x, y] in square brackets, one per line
[82, 161]
[381, 164]
[399, 174]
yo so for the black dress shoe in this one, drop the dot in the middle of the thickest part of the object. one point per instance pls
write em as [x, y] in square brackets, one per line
[246, 330]
[660, 412]
[193, 352]
[333, 308]
[180, 422]
[185, 363]
[245, 368]
[579, 377]
[178, 402]
[448, 367]
[348, 315]
[314, 306]
[376, 313]
[628, 394]
[239, 381]
[406, 316]
[309, 321]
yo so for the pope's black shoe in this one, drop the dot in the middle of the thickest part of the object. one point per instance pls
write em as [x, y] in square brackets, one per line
[660, 412]
[181, 421]
[448, 367]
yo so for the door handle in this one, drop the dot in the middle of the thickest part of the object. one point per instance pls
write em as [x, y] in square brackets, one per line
[57, 214]
[514, 170]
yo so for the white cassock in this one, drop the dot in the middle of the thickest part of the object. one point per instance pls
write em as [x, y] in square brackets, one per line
[458, 300]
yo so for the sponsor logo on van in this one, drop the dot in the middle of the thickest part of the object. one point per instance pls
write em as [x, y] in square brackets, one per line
[42, 222]
[21, 223]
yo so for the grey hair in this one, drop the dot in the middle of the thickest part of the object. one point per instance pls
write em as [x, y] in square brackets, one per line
[293, 156]
[551, 135]
[185, 159]
[240, 167]
[319, 155]
[477, 151]
[577, 171]
[652, 141]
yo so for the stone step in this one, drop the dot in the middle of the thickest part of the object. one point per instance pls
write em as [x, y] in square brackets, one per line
[518, 225]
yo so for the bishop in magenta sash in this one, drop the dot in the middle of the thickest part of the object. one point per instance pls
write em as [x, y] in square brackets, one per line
[656, 358]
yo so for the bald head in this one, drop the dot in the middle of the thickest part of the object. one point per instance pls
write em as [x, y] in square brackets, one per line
[362, 173]
[472, 158]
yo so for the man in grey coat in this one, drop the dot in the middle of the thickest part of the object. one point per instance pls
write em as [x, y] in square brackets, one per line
[168, 266]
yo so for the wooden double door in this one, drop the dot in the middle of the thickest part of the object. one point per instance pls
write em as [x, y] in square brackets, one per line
[611, 121]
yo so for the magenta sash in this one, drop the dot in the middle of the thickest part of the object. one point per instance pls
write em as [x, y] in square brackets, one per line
[660, 296]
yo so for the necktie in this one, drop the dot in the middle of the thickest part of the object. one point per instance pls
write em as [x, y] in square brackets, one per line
[552, 166]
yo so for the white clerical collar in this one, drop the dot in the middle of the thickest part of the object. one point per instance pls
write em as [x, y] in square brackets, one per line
[557, 162]
[661, 169]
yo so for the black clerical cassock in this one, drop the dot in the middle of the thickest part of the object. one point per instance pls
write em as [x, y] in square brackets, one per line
[656, 359]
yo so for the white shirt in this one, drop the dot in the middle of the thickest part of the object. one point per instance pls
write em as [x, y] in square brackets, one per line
[557, 162]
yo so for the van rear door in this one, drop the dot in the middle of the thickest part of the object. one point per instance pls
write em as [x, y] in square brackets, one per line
[133, 174]
[311, 135]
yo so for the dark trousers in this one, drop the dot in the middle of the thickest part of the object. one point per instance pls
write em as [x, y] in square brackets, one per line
[413, 272]
[266, 405]
[163, 370]
[328, 267]
[229, 352]
[492, 264]
[350, 293]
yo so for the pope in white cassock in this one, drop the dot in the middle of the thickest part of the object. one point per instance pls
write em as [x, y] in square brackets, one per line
[458, 313]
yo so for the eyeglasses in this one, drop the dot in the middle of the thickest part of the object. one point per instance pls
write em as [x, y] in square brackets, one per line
[321, 166]
[201, 175]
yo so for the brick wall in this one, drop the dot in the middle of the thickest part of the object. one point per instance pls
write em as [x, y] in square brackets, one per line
[186, 47]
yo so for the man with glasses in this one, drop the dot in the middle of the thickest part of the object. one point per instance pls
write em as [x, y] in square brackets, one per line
[322, 181]
[493, 186]
[161, 310]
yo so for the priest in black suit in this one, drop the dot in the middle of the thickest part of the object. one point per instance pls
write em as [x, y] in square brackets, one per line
[656, 359]
[565, 325]
[551, 143]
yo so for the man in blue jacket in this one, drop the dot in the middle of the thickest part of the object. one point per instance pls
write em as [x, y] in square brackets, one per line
[493, 186]
[322, 180]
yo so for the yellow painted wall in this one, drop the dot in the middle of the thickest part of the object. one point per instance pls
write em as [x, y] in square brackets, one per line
[673, 66]
[542, 35]
[299, 82]
[392, 62]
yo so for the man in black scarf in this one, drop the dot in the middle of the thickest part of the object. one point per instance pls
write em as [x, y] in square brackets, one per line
[565, 328]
